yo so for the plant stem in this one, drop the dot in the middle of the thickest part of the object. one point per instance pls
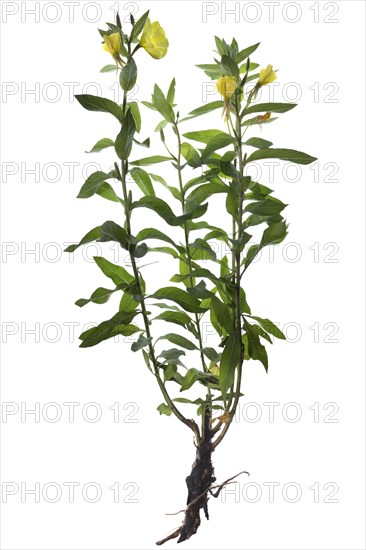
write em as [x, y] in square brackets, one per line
[237, 258]
[190, 423]
[189, 259]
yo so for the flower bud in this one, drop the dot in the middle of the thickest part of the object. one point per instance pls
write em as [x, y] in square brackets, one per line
[153, 39]
[267, 75]
[112, 43]
[226, 86]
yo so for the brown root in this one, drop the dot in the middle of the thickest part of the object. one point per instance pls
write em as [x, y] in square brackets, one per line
[200, 486]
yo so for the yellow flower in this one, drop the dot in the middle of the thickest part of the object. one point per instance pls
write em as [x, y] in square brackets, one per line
[153, 39]
[112, 43]
[226, 86]
[267, 75]
[215, 369]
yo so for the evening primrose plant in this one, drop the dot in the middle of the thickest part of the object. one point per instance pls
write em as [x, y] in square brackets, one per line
[206, 286]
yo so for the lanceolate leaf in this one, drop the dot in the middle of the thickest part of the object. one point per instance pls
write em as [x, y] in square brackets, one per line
[100, 296]
[139, 25]
[162, 104]
[151, 233]
[107, 329]
[217, 142]
[111, 231]
[179, 340]
[204, 136]
[135, 111]
[208, 108]
[266, 207]
[180, 297]
[143, 180]
[128, 75]
[92, 235]
[123, 143]
[229, 362]
[117, 273]
[93, 184]
[101, 144]
[243, 54]
[176, 317]
[258, 143]
[269, 327]
[284, 154]
[256, 349]
[164, 211]
[150, 160]
[95, 103]
[269, 107]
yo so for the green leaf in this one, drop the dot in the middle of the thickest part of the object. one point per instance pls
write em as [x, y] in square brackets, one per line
[180, 297]
[93, 183]
[111, 231]
[252, 66]
[170, 372]
[269, 327]
[284, 154]
[151, 233]
[108, 69]
[269, 108]
[201, 193]
[117, 273]
[229, 361]
[150, 160]
[211, 354]
[274, 234]
[162, 105]
[123, 143]
[208, 108]
[173, 190]
[143, 180]
[190, 378]
[139, 26]
[256, 350]
[164, 211]
[201, 250]
[145, 143]
[140, 343]
[176, 317]
[204, 136]
[106, 330]
[171, 93]
[100, 296]
[172, 356]
[191, 155]
[107, 192]
[265, 207]
[179, 340]
[222, 313]
[134, 108]
[217, 142]
[259, 143]
[164, 409]
[243, 54]
[92, 235]
[200, 291]
[128, 75]
[101, 144]
[102, 104]
[229, 67]
[212, 70]
[222, 47]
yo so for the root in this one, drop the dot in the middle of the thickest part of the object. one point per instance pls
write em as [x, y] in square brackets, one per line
[200, 485]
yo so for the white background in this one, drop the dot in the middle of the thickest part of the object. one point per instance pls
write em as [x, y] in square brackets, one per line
[319, 47]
